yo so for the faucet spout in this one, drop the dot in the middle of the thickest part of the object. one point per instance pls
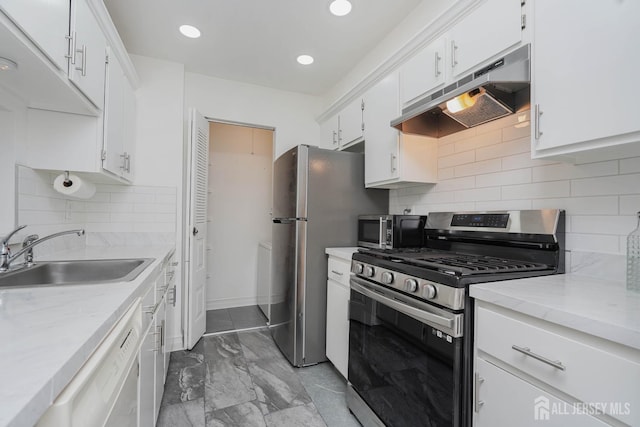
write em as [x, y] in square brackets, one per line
[6, 259]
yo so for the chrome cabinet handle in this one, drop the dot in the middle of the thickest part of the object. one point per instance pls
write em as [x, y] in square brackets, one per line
[538, 113]
[72, 48]
[334, 138]
[149, 309]
[83, 67]
[477, 403]
[437, 62]
[174, 264]
[454, 61]
[527, 352]
[339, 135]
[336, 272]
[393, 158]
[124, 162]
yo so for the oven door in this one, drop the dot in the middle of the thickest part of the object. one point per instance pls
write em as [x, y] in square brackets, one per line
[405, 359]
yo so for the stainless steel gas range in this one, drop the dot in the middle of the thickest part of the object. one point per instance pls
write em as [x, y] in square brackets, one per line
[411, 317]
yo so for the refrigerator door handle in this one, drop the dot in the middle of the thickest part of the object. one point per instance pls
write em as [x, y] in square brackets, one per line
[287, 220]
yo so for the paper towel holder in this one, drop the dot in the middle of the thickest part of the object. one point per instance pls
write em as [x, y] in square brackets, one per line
[67, 182]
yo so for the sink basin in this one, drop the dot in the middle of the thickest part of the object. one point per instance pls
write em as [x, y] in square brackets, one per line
[78, 272]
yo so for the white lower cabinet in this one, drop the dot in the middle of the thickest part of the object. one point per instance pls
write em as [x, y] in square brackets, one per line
[503, 399]
[546, 370]
[154, 351]
[338, 313]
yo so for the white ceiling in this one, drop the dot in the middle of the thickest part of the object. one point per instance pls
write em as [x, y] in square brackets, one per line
[257, 41]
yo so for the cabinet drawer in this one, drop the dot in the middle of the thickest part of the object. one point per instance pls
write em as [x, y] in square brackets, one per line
[338, 270]
[589, 374]
[528, 406]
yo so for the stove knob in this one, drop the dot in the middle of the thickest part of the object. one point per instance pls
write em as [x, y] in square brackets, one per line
[429, 291]
[358, 268]
[387, 278]
[369, 271]
[411, 285]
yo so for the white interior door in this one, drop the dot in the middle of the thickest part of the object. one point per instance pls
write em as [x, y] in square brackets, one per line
[197, 229]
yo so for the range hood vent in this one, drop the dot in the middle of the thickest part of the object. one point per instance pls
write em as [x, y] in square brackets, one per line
[495, 91]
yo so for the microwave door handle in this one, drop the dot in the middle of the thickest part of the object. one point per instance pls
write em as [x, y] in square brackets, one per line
[381, 243]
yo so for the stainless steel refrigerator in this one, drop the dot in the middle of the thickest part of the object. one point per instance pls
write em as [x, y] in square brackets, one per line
[317, 197]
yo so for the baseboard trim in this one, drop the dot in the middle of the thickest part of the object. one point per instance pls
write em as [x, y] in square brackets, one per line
[231, 302]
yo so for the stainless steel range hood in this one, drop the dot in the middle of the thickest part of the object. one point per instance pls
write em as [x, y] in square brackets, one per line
[494, 91]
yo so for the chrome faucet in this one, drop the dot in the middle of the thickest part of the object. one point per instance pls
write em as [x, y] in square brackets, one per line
[6, 258]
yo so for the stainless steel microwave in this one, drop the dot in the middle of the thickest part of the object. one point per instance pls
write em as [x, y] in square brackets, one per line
[391, 231]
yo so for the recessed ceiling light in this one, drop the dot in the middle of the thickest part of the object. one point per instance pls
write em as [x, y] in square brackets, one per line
[7, 64]
[190, 31]
[305, 59]
[340, 7]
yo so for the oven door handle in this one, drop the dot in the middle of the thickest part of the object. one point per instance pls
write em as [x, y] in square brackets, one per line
[421, 314]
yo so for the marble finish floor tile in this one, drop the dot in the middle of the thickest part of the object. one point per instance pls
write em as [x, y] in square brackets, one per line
[248, 382]
[187, 414]
[218, 321]
[247, 317]
[227, 380]
[305, 415]
[327, 388]
[185, 376]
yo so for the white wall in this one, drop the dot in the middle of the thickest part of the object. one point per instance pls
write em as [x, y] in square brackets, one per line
[291, 114]
[7, 171]
[239, 206]
[490, 167]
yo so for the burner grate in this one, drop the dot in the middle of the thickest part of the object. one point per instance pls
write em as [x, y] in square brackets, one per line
[469, 265]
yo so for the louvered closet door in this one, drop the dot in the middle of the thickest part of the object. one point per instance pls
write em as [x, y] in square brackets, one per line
[197, 232]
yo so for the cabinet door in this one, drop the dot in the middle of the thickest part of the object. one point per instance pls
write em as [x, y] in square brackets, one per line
[159, 356]
[46, 23]
[129, 110]
[502, 399]
[583, 59]
[493, 27]
[381, 140]
[350, 123]
[338, 326]
[146, 381]
[114, 159]
[329, 133]
[422, 73]
[87, 68]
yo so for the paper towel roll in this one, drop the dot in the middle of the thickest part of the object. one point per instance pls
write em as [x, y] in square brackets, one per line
[75, 187]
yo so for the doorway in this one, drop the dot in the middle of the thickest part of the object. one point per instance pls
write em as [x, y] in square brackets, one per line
[238, 211]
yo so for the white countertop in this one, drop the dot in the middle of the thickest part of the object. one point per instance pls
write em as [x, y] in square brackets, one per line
[344, 253]
[48, 333]
[594, 306]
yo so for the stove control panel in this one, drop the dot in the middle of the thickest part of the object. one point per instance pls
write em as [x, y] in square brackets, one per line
[436, 293]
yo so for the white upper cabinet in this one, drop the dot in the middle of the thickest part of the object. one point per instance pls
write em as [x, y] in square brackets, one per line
[351, 123]
[393, 159]
[329, 133]
[424, 72]
[496, 25]
[343, 129]
[584, 60]
[119, 121]
[88, 49]
[46, 23]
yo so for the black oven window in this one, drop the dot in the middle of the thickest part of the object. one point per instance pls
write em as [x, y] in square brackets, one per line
[407, 372]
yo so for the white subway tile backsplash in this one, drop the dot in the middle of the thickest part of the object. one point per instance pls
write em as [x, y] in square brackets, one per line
[509, 148]
[536, 190]
[620, 184]
[518, 176]
[629, 205]
[456, 159]
[476, 168]
[631, 165]
[478, 194]
[599, 192]
[113, 209]
[604, 205]
[568, 171]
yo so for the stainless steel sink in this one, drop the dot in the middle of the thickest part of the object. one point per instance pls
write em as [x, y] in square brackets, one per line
[75, 272]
